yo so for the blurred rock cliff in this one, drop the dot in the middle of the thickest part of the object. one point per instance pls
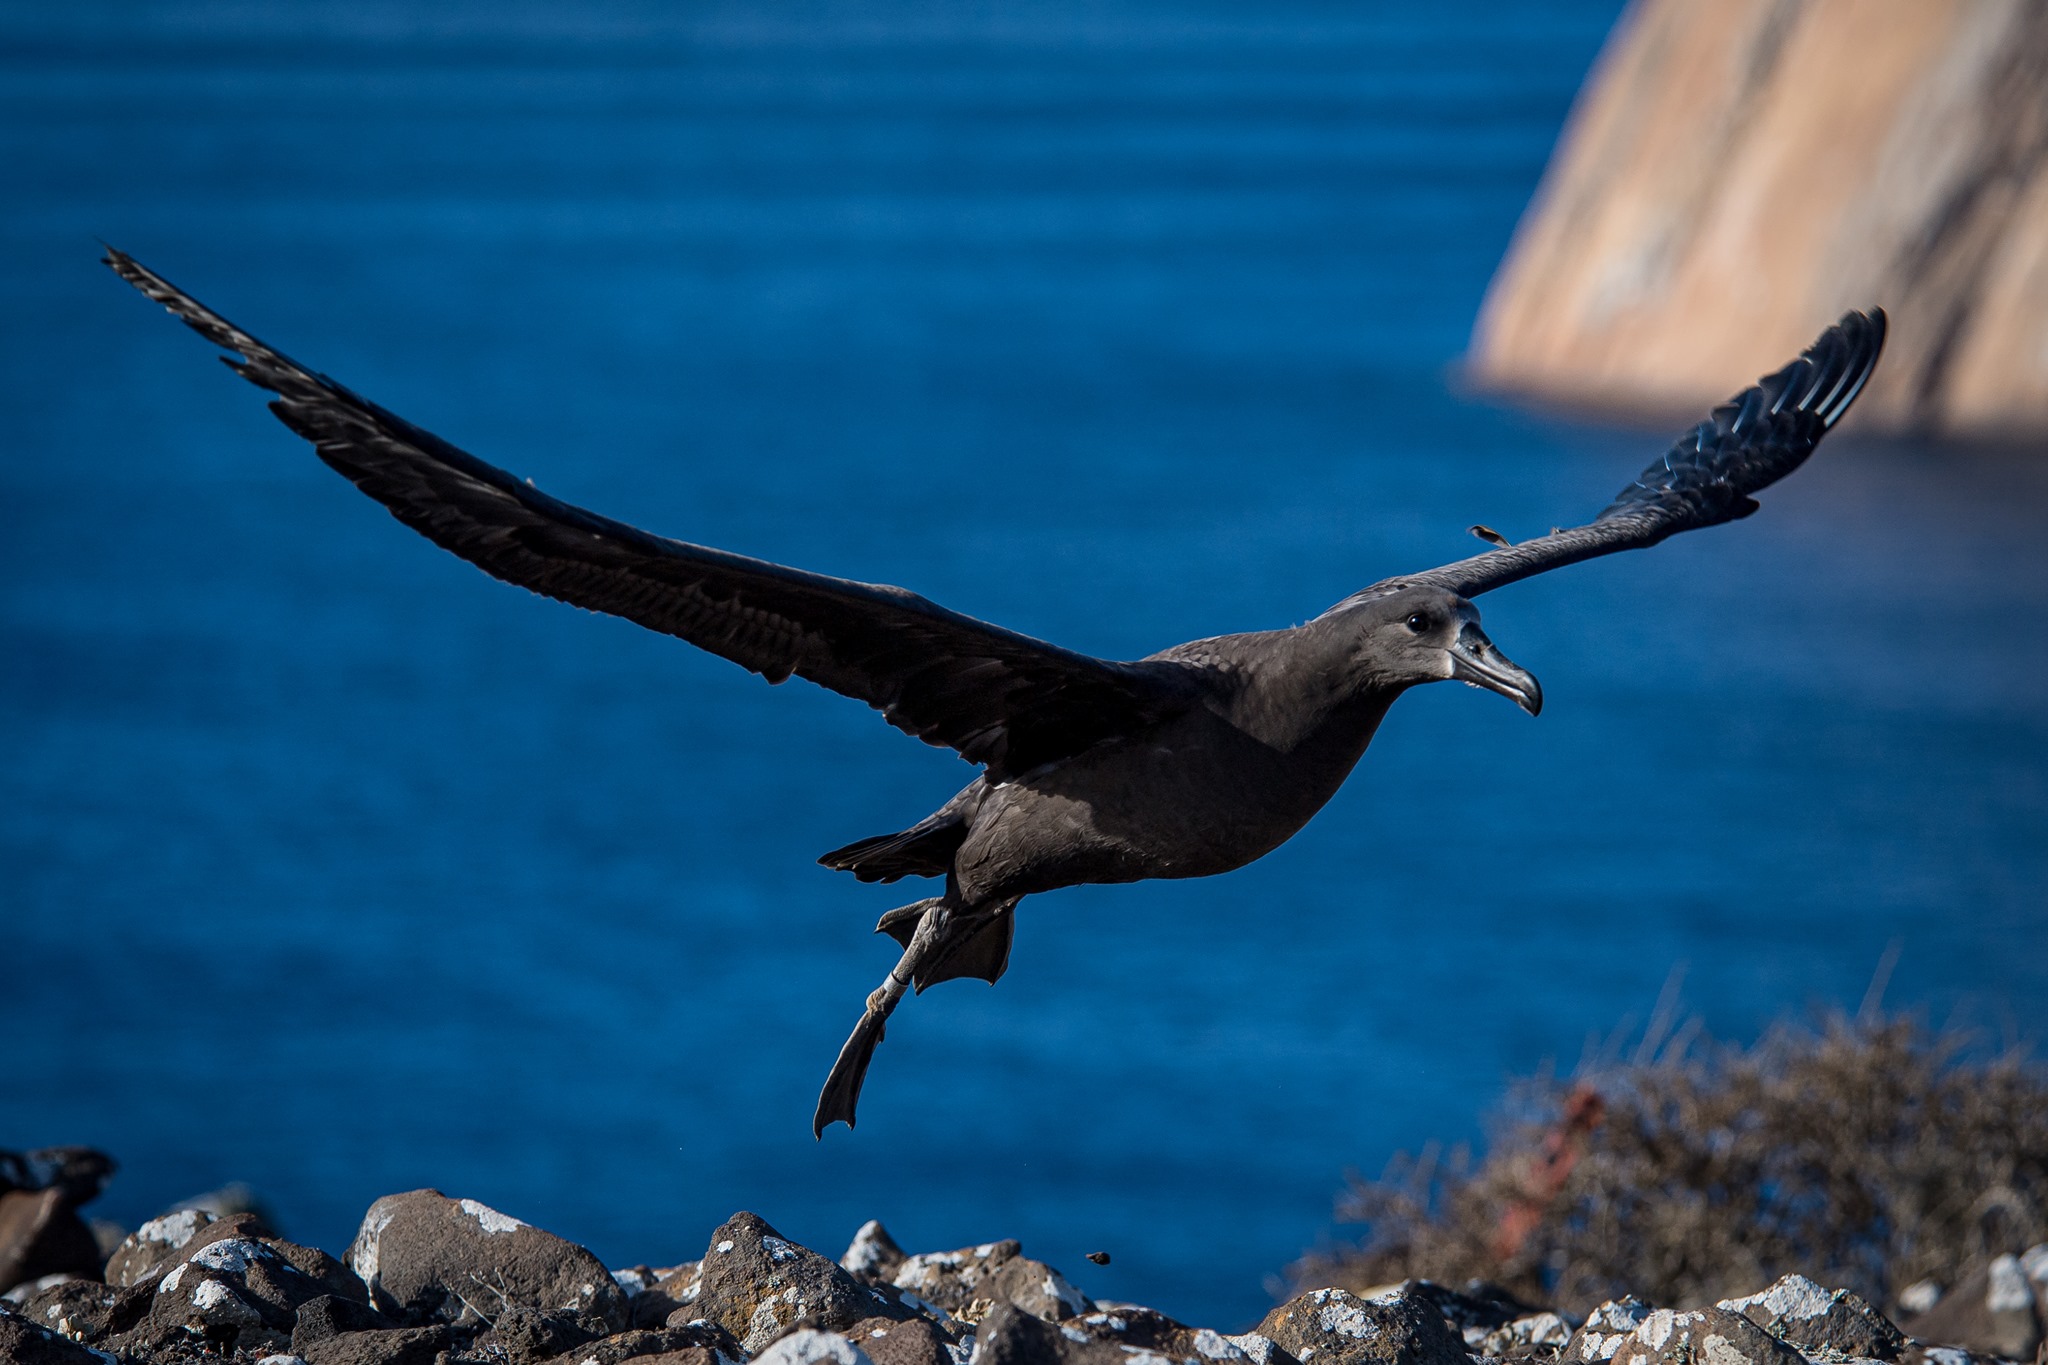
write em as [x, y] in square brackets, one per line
[1736, 174]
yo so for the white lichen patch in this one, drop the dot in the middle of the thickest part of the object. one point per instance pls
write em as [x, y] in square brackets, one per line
[231, 1256]
[809, 1347]
[221, 1303]
[1140, 1355]
[1215, 1346]
[779, 1250]
[488, 1218]
[172, 1281]
[1618, 1315]
[1718, 1350]
[724, 1248]
[1341, 1315]
[1260, 1350]
[1074, 1334]
[173, 1229]
[1599, 1346]
[1792, 1299]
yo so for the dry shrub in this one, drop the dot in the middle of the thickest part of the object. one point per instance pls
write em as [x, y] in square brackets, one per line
[1865, 1153]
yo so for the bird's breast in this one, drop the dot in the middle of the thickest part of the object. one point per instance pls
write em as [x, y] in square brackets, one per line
[1203, 798]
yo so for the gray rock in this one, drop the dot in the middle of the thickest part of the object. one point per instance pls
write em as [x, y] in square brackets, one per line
[917, 1341]
[330, 1315]
[1708, 1336]
[427, 1258]
[400, 1346]
[82, 1310]
[1011, 1336]
[1822, 1323]
[1603, 1331]
[154, 1246]
[1149, 1337]
[808, 1347]
[1333, 1327]
[1993, 1311]
[666, 1290]
[968, 1282]
[41, 1232]
[1473, 1313]
[873, 1254]
[1522, 1336]
[525, 1335]
[28, 1343]
[231, 1293]
[758, 1285]
[697, 1343]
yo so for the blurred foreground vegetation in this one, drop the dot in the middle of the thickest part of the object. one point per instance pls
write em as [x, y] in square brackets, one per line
[1867, 1152]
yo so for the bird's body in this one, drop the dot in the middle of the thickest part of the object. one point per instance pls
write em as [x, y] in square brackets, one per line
[1191, 762]
[1273, 726]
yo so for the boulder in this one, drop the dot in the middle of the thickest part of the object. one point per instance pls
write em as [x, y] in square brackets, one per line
[915, 1341]
[1523, 1336]
[1334, 1327]
[758, 1285]
[967, 1282]
[330, 1315]
[698, 1343]
[1473, 1312]
[1708, 1336]
[427, 1258]
[230, 1293]
[524, 1335]
[154, 1246]
[28, 1343]
[1145, 1334]
[1992, 1311]
[398, 1346]
[1817, 1321]
[1603, 1331]
[1008, 1335]
[41, 1233]
[664, 1291]
[82, 1310]
[807, 1347]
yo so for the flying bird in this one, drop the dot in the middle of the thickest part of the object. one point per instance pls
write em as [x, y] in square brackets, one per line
[1193, 761]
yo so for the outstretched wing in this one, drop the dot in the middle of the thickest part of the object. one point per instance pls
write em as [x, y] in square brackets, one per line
[997, 697]
[1749, 443]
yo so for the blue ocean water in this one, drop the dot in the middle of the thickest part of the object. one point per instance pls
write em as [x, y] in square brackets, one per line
[332, 866]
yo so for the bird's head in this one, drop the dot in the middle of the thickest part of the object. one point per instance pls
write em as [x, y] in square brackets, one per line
[1421, 634]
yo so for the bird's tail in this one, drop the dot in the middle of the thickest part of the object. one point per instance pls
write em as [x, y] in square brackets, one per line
[941, 939]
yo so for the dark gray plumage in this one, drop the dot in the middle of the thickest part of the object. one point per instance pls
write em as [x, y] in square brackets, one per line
[1194, 761]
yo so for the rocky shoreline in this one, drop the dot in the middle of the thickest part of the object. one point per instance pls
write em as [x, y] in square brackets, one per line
[433, 1280]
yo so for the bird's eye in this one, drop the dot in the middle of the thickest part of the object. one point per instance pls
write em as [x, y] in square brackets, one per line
[1418, 623]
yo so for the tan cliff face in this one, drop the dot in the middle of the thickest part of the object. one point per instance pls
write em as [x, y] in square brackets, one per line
[1736, 174]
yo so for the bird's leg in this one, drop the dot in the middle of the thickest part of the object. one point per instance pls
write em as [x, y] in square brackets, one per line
[842, 1087]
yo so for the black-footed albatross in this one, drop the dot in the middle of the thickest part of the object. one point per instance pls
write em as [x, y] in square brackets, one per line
[1193, 761]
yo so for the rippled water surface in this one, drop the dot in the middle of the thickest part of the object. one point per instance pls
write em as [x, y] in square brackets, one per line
[332, 866]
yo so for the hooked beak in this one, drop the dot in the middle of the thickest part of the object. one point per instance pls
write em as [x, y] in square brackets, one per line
[1474, 660]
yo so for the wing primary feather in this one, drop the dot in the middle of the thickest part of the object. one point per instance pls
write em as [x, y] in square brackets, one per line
[1709, 475]
[993, 695]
